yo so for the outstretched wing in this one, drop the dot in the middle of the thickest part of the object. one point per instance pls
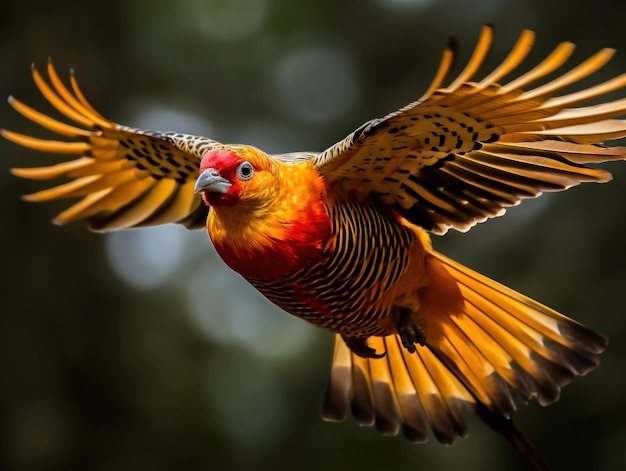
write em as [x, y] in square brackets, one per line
[463, 153]
[126, 177]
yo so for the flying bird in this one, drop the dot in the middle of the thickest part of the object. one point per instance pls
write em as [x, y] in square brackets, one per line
[340, 238]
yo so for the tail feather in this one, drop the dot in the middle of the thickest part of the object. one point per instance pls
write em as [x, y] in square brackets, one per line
[497, 345]
[416, 391]
[382, 398]
[550, 348]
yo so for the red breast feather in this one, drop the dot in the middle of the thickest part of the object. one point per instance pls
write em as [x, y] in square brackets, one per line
[300, 244]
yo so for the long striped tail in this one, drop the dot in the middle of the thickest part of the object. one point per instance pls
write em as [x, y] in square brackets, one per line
[499, 343]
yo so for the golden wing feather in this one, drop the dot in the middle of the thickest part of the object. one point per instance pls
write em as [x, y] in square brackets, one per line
[463, 153]
[126, 177]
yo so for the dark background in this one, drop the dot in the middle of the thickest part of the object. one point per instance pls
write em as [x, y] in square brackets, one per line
[139, 350]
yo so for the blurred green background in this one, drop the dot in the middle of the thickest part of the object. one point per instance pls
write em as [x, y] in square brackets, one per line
[140, 350]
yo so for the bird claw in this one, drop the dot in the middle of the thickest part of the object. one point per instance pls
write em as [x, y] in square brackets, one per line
[359, 346]
[411, 332]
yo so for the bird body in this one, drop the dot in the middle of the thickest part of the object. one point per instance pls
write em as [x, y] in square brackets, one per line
[335, 262]
[340, 238]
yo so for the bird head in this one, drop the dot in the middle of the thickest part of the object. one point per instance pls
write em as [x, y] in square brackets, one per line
[236, 176]
[267, 217]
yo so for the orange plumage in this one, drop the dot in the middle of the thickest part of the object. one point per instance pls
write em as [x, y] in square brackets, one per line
[340, 238]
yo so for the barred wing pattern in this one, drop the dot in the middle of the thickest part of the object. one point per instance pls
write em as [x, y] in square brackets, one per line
[126, 177]
[463, 153]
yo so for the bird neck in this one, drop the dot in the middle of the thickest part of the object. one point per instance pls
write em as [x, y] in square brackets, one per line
[270, 239]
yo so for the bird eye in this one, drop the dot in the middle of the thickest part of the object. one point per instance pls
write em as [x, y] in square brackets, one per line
[245, 171]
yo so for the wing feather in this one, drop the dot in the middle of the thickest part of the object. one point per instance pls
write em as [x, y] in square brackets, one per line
[555, 59]
[46, 122]
[83, 119]
[82, 167]
[46, 145]
[478, 56]
[589, 66]
[69, 98]
[519, 52]
[447, 59]
[184, 207]
[79, 94]
[126, 177]
[110, 197]
[440, 159]
[138, 209]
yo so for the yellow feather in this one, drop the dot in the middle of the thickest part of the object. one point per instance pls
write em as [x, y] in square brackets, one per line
[179, 207]
[59, 104]
[142, 208]
[519, 52]
[478, 56]
[80, 209]
[66, 190]
[81, 167]
[577, 73]
[105, 200]
[46, 121]
[89, 184]
[81, 98]
[46, 145]
[587, 94]
[71, 100]
[555, 60]
[445, 64]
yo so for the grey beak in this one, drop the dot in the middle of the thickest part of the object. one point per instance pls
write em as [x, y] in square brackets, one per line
[212, 182]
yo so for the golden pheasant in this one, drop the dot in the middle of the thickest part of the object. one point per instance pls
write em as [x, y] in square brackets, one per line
[340, 238]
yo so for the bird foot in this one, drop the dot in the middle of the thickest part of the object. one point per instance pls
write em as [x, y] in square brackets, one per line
[359, 346]
[410, 330]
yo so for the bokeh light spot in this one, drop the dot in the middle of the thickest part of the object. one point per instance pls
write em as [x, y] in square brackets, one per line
[157, 117]
[226, 20]
[225, 308]
[316, 84]
[146, 257]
